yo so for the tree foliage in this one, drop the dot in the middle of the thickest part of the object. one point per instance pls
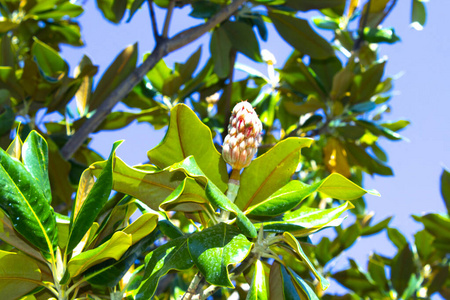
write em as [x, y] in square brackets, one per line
[66, 229]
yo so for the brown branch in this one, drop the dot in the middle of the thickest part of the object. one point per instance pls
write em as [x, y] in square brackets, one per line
[162, 49]
[387, 12]
[153, 20]
[168, 18]
[365, 18]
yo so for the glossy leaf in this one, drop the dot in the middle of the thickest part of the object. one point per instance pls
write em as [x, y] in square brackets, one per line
[49, 61]
[26, 205]
[141, 227]
[19, 275]
[113, 248]
[186, 136]
[113, 10]
[384, 35]
[215, 195]
[258, 287]
[308, 292]
[269, 172]
[243, 39]
[397, 238]
[172, 255]
[215, 248]
[90, 208]
[189, 196]
[220, 47]
[119, 69]
[301, 36]
[292, 241]
[306, 220]
[402, 269]
[35, 158]
[15, 148]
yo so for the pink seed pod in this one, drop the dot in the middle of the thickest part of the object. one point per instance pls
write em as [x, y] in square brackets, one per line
[244, 136]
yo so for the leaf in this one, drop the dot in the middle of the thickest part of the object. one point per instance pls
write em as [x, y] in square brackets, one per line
[402, 269]
[186, 136]
[19, 275]
[437, 225]
[335, 157]
[397, 238]
[141, 227]
[172, 255]
[83, 94]
[189, 196]
[55, 12]
[35, 159]
[112, 10]
[301, 36]
[117, 71]
[308, 292]
[89, 209]
[384, 35]
[269, 172]
[151, 187]
[204, 9]
[215, 248]
[418, 15]
[445, 188]
[11, 237]
[243, 39]
[26, 205]
[52, 66]
[326, 70]
[292, 241]
[215, 195]
[369, 230]
[15, 148]
[258, 287]
[220, 47]
[113, 248]
[306, 5]
[306, 220]
[355, 279]
[289, 290]
[365, 84]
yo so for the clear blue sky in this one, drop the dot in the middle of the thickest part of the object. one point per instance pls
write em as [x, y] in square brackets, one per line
[423, 97]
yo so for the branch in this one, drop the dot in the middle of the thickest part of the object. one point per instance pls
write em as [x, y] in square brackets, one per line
[168, 18]
[153, 19]
[387, 12]
[162, 49]
[365, 18]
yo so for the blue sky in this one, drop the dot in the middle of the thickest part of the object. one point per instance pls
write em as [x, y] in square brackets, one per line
[422, 97]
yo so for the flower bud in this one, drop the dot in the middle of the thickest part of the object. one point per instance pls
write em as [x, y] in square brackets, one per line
[244, 136]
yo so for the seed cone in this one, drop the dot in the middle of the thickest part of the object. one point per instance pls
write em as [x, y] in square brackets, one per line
[244, 136]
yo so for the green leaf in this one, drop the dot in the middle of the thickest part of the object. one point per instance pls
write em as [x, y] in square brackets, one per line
[397, 238]
[258, 288]
[151, 187]
[220, 47]
[186, 136]
[292, 241]
[306, 5]
[204, 9]
[306, 220]
[301, 36]
[7, 118]
[141, 227]
[243, 39]
[365, 84]
[113, 248]
[418, 15]
[355, 279]
[396, 126]
[437, 225]
[326, 23]
[189, 196]
[384, 35]
[289, 290]
[11, 237]
[445, 188]
[172, 255]
[215, 248]
[35, 158]
[113, 10]
[110, 272]
[215, 195]
[92, 204]
[369, 230]
[52, 66]
[19, 275]
[269, 172]
[325, 70]
[134, 7]
[117, 71]
[56, 12]
[402, 269]
[308, 292]
[378, 274]
[158, 74]
[289, 196]
[26, 205]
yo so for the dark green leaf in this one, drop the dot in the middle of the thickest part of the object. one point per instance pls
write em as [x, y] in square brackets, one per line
[220, 47]
[301, 36]
[397, 238]
[418, 14]
[204, 9]
[402, 269]
[369, 230]
[215, 248]
[113, 10]
[306, 290]
[52, 66]
[243, 39]
[384, 35]
[445, 188]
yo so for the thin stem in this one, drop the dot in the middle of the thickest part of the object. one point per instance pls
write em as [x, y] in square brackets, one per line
[192, 289]
[153, 20]
[168, 18]
[233, 188]
[387, 12]
[365, 17]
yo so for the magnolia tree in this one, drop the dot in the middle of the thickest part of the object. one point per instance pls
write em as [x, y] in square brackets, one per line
[229, 198]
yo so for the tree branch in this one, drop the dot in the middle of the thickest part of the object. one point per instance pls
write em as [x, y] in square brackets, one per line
[162, 49]
[365, 18]
[153, 20]
[168, 18]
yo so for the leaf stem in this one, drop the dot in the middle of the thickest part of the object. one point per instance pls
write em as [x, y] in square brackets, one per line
[233, 188]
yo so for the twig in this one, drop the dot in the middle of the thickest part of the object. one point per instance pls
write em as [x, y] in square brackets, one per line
[168, 18]
[365, 17]
[153, 20]
[162, 49]
[193, 286]
[387, 12]
[227, 107]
